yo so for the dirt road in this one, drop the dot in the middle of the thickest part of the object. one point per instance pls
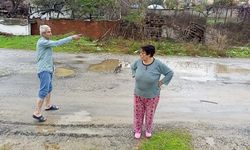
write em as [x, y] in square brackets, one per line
[208, 97]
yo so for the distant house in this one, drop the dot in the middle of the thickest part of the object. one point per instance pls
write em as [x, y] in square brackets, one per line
[237, 1]
[212, 1]
[9, 8]
[189, 3]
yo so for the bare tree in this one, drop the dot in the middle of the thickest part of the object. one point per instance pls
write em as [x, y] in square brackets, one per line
[77, 8]
[15, 8]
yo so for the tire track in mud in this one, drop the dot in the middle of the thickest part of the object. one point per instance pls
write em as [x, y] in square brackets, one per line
[92, 125]
[223, 136]
[70, 130]
[29, 136]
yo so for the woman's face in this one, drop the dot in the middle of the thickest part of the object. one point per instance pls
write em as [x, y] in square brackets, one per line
[144, 55]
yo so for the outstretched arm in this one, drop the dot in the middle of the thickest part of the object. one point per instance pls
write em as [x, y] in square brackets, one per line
[50, 43]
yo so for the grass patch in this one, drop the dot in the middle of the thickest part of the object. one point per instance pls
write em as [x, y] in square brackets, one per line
[124, 46]
[168, 140]
[29, 43]
[211, 21]
[241, 52]
[129, 46]
[19, 42]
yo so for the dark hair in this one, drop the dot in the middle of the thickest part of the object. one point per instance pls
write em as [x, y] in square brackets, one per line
[149, 49]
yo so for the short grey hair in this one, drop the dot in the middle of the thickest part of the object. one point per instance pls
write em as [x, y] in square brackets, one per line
[43, 29]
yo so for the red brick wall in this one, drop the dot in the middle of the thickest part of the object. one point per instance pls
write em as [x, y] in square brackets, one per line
[92, 29]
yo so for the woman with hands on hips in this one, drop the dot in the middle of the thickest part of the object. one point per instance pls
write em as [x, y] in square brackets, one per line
[147, 72]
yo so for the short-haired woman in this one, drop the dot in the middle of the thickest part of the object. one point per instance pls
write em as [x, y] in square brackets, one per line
[147, 72]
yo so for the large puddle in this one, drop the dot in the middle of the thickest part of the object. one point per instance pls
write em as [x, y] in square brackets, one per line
[231, 69]
[193, 70]
[202, 71]
[64, 72]
[106, 66]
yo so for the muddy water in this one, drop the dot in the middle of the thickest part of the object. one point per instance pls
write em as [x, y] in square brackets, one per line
[208, 71]
[51, 146]
[232, 69]
[64, 72]
[193, 70]
[105, 66]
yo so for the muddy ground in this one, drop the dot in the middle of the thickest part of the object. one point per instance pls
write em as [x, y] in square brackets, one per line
[209, 97]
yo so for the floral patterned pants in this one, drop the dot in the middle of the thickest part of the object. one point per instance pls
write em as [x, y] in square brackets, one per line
[144, 107]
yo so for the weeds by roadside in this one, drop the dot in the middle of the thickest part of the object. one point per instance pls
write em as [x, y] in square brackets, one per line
[127, 46]
[168, 140]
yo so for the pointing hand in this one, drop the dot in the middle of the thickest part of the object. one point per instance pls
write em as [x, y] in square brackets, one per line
[77, 36]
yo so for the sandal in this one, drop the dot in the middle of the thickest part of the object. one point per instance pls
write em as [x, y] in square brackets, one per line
[52, 107]
[40, 118]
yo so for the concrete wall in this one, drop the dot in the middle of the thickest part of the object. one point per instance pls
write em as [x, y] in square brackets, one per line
[15, 29]
[15, 26]
[92, 29]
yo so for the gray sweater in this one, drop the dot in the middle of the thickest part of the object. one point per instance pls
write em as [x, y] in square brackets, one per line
[147, 77]
[44, 53]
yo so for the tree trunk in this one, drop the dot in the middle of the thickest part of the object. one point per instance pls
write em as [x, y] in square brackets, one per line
[225, 20]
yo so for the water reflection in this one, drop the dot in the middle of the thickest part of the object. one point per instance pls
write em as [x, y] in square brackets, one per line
[231, 69]
[208, 71]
